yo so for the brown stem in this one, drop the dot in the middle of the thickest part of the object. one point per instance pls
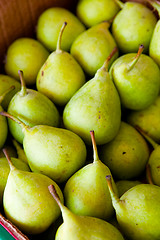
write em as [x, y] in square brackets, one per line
[60, 37]
[23, 85]
[95, 152]
[53, 192]
[106, 63]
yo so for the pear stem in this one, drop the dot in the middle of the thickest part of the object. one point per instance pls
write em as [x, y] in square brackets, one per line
[5, 93]
[149, 139]
[114, 197]
[148, 174]
[5, 114]
[60, 37]
[53, 192]
[119, 3]
[133, 62]
[23, 91]
[95, 152]
[106, 63]
[156, 5]
[12, 167]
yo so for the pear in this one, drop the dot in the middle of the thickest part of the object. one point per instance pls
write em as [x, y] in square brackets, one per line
[133, 25]
[26, 54]
[33, 108]
[83, 227]
[20, 151]
[86, 192]
[96, 105]
[6, 82]
[93, 46]
[92, 12]
[27, 202]
[127, 154]
[3, 121]
[153, 165]
[137, 87]
[49, 24]
[137, 211]
[55, 152]
[148, 119]
[4, 171]
[61, 75]
[124, 185]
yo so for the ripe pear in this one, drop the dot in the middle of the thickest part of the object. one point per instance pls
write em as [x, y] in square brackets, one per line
[124, 185]
[6, 82]
[137, 211]
[154, 48]
[148, 120]
[49, 25]
[27, 202]
[61, 75]
[20, 151]
[33, 108]
[92, 12]
[83, 227]
[55, 152]
[133, 25]
[4, 172]
[28, 55]
[86, 192]
[96, 105]
[127, 154]
[137, 79]
[93, 46]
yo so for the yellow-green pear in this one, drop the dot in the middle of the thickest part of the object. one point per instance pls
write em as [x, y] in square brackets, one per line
[137, 211]
[61, 75]
[26, 54]
[124, 185]
[83, 227]
[27, 202]
[96, 105]
[54, 152]
[86, 192]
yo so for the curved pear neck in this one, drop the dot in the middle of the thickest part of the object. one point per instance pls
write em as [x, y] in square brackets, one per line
[135, 60]
[58, 48]
[5, 93]
[148, 174]
[120, 4]
[23, 90]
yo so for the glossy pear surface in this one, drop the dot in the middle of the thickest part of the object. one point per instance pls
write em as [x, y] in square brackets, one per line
[148, 120]
[139, 85]
[154, 48]
[33, 108]
[93, 46]
[28, 55]
[60, 77]
[92, 12]
[127, 154]
[4, 172]
[27, 202]
[49, 25]
[6, 82]
[132, 26]
[55, 152]
[96, 105]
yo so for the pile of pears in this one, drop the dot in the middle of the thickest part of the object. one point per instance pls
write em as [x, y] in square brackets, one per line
[80, 125]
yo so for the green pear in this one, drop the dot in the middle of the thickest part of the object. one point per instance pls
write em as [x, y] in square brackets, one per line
[54, 152]
[61, 75]
[148, 120]
[86, 192]
[33, 108]
[132, 26]
[127, 154]
[6, 82]
[92, 12]
[124, 185]
[93, 46]
[96, 105]
[137, 79]
[154, 48]
[27, 202]
[4, 172]
[20, 151]
[49, 25]
[26, 54]
[83, 227]
[137, 211]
